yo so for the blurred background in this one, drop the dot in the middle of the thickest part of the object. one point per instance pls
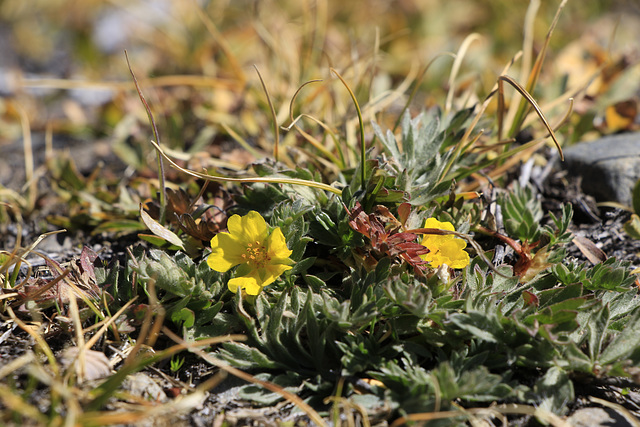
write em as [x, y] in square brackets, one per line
[64, 75]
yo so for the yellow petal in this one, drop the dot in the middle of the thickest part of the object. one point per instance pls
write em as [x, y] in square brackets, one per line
[432, 241]
[447, 249]
[254, 227]
[271, 272]
[250, 285]
[234, 224]
[226, 252]
[454, 253]
[434, 259]
[277, 247]
[434, 223]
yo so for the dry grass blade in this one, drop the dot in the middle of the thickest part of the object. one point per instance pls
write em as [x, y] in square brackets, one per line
[425, 416]
[159, 81]
[313, 415]
[156, 135]
[24, 252]
[16, 364]
[313, 141]
[416, 86]
[460, 146]
[388, 97]
[456, 68]
[535, 72]
[240, 140]
[104, 324]
[150, 327]
[527, 54]
[217, 36]
[77, 324]
[43, 289]
[101, 394]
[363, 147]
[540, 413]
[531, 101]
[274, 118]
[181, 404]
[278, 180]
[31, 184]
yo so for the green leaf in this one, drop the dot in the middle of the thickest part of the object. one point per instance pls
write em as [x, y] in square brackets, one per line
[610, 275]
[522, 212]
[625, 343]
[574, 359]
[313, 282]
[184, 316]
[303, 265]
[598, 329]
[474, 323]
[243, 356]
[556, 389]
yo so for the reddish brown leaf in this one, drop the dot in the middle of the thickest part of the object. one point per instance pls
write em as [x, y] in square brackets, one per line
[381, 229]
[530, 298]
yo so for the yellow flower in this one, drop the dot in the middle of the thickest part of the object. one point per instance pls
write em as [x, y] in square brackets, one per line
[447, 249]
[261, 256]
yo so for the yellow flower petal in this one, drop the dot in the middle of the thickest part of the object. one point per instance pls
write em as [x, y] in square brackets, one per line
[262, 257]
[454, 254]
[447, 249]
[248, 228]
[226, 252]
[434, 223]
[248, 283]
[277, 246]
[271, 272]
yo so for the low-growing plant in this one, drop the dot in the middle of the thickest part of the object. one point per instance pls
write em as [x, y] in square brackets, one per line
[395, 290]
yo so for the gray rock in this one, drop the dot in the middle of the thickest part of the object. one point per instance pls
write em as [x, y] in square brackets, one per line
[609, 166]
[597, 417]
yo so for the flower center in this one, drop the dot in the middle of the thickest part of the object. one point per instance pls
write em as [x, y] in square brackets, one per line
[256, 254]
